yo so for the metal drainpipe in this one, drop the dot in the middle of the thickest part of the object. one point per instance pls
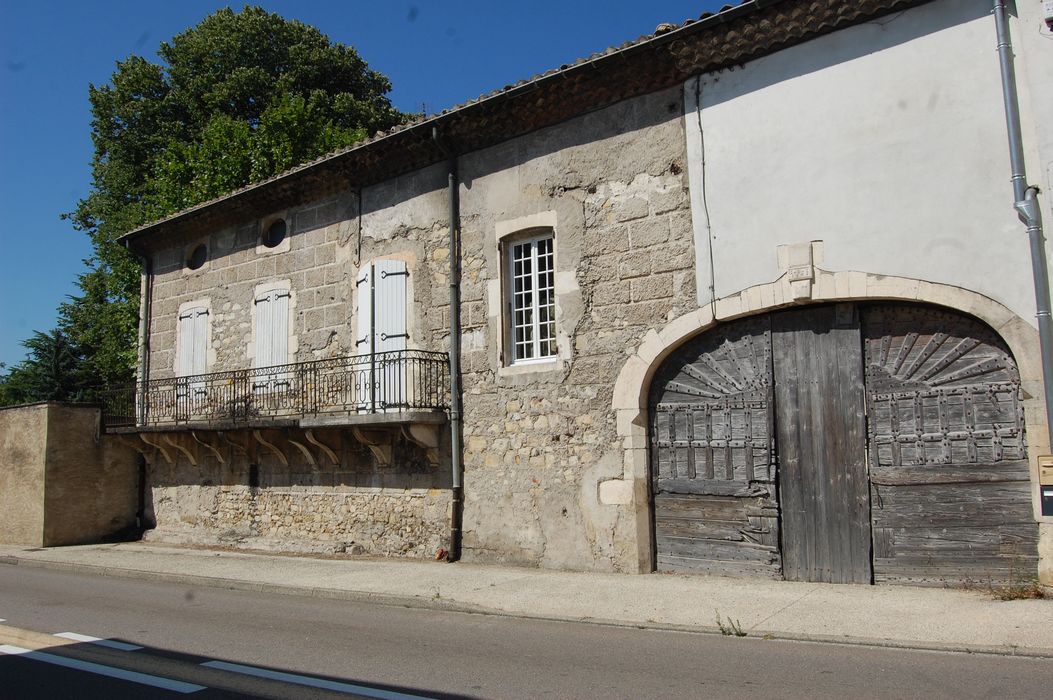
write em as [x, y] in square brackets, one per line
[456, 427]
[1025, 201]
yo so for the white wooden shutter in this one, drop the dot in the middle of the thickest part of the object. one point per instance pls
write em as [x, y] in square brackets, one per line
[280, 328]
[272, 328]
[390, 332]
[363, 316]
[390, 286]
[192, 353]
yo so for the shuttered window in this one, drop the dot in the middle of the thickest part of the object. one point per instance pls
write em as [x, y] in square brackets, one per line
[390, 290]
[272, 328]
[380, 324]
[532, 299]
[192, 352]
[381, 327]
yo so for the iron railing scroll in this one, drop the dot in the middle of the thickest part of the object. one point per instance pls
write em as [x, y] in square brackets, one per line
[401, 380]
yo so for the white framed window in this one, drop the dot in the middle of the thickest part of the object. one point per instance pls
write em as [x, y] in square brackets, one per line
[531, 299]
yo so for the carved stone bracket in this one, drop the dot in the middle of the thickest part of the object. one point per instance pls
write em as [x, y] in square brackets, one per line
[303, 449]
[139, 446]
[378, 442]
[427, 436]
[176, 441]
[798, 261]
[207, 444]
[240, 445]
[326, 450]
[159, 447]
[258, 434]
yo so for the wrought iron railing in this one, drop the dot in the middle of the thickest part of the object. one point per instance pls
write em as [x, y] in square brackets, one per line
[384, 382]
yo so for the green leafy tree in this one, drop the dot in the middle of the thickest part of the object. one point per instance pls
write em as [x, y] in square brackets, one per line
[240, 97]
[50, 372]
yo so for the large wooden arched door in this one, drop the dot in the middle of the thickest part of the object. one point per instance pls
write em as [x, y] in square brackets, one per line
[843, 443]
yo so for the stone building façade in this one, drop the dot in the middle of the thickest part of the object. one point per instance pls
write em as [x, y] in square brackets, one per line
[648, 198]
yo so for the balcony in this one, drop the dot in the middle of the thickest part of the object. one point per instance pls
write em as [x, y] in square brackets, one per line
[394, 388]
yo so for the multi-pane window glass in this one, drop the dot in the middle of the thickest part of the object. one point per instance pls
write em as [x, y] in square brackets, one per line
[533, 299]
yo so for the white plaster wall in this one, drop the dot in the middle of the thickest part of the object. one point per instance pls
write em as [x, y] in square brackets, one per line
[1033, 42]
[887, 141]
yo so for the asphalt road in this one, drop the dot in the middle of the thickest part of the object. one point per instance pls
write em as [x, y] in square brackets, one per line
[192, 635]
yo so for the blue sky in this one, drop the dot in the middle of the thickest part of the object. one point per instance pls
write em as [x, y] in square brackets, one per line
[436, 55]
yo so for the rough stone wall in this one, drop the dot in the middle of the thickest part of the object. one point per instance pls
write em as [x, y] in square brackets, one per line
[539, 443]
[539, 439]
[354, 507]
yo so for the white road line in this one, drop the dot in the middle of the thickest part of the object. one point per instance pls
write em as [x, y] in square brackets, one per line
[122, 646]
[362, 690]
[118, 673]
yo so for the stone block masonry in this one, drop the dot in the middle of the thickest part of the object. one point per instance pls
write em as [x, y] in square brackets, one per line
[610, 187]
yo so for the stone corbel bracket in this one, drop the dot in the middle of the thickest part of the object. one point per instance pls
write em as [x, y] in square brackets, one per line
[302, 447]
[427, 436]
[206, 442]
[378, 442]
[159, 447]
[241, 447]
[326, 450]
[139, 446]
[177, 442]
[271, 447]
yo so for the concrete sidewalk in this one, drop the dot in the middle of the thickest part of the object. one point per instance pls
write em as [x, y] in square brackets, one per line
[895, 616]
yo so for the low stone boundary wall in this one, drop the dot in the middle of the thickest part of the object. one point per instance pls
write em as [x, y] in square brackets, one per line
[61, 481]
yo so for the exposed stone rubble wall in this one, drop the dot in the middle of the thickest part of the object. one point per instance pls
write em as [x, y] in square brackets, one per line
[397, 522]
[352, 508]
[539, 439]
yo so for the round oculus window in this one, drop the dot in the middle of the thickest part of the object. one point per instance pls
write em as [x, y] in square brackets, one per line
[197, 257]
[275, 233]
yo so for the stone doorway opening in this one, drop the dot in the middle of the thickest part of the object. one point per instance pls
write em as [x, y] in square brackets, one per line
[845, 442]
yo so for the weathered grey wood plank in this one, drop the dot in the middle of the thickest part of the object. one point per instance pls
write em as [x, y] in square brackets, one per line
[716, 507]
[717, 549]
[717, 567]
[739, 488]
[895, 475]
[757, 530]
[956, 542]
[989, 504]
[820, 426]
